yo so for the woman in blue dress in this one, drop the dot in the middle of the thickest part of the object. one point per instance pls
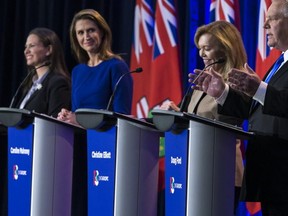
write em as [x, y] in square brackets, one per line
[93, 82]
[99, 69]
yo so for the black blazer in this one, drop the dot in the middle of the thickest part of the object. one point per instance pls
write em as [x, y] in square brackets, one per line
[54, 95]
[266, 172]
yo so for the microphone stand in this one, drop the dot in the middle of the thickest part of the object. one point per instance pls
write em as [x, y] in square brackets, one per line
[25, 80]
[109, 106]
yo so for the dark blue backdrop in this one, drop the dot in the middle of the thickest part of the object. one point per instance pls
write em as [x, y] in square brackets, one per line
[17, 18]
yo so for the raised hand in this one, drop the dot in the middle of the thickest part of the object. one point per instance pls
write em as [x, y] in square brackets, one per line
[210, 82]
[246, 81]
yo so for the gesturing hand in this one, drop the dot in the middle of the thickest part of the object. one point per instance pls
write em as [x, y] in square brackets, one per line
[246, 81]
[210, 82]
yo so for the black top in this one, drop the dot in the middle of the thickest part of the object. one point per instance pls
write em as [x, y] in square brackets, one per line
[54, 94]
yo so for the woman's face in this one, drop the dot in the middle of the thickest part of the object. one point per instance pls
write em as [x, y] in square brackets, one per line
[35, 52]
[89, 36]
[210, 50]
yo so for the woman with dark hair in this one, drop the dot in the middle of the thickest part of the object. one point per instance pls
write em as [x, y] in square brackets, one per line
[94, 79]
[46, 89]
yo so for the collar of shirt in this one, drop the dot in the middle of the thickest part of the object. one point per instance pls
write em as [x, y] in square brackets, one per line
[261, 91]
[285, 54]
[39, 80]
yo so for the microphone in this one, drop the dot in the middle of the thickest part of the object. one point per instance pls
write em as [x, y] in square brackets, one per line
[109, 106]
[185, 100]
[219, 61]
[25, 80]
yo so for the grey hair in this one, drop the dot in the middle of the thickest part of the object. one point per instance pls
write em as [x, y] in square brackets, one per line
[284, 8]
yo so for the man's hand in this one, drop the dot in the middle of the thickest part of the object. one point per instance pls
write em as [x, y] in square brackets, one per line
[246, 81]
[210, 82]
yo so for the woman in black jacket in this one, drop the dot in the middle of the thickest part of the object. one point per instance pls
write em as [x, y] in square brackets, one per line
[46, 89]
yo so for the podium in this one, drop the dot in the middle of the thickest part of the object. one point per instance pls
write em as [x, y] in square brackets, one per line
[40, 163]
[123, 155]
[200, 163]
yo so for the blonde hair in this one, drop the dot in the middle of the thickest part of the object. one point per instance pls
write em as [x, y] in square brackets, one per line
[230, 41]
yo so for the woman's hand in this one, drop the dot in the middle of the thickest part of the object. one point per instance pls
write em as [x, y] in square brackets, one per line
[67, 116]
[210, 82]
[169, 105]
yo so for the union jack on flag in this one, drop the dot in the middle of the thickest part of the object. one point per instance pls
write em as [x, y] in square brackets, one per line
[155, 49]
[144, 20]
[141, 55]
[165, 62]
[225, 10]
[167, 10]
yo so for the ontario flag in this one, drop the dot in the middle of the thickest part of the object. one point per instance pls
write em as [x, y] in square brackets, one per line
[155, 49]
[265, 56]
[225, 10]
[141, 55]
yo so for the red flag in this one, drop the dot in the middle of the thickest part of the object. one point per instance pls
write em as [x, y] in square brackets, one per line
[160, 79]
[165, 67]
[141, 55]
[225, 10]
[265, 56]
[155, 49]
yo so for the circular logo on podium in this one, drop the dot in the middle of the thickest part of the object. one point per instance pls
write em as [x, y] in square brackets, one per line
[96, 177]
[15, 172]
[172, 188]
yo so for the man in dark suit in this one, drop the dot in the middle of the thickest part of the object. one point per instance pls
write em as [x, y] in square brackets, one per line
[265, 105]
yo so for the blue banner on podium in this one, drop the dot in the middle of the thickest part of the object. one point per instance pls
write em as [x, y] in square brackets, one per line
[176, 148]
[19, 170]
[101, 171]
